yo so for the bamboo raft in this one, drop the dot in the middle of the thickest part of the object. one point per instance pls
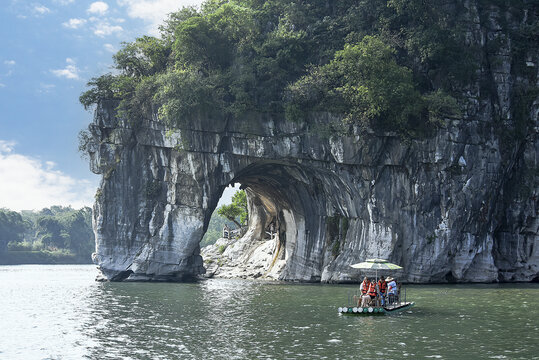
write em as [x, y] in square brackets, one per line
[375, 310]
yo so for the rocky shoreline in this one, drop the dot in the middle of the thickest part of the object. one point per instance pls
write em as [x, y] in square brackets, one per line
[241, 258]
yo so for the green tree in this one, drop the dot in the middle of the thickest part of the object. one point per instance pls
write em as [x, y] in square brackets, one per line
[143, 57]
[101, 88]
[51, 232]
[239, 199]
[77, 225]
[236, 211]
[365, 82]
[184, 93]
[210, 39]
[230, 212]
[12, 227]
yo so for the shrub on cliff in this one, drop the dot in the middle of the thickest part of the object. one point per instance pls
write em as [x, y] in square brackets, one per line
[365, 83]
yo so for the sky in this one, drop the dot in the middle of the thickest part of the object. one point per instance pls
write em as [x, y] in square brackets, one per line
[49, 49]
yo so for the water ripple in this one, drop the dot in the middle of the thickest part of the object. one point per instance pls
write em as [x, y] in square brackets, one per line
[59, 312]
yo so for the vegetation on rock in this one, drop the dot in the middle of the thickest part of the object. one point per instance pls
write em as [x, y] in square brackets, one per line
[393, 65]
[365, 83]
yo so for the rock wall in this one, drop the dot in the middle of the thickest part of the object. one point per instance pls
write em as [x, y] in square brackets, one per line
[460, 205]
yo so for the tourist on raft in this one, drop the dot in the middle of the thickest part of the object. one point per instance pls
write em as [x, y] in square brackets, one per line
[382, 287]
[392, 290]
[372, 294]
[364, 288]
[368, 291]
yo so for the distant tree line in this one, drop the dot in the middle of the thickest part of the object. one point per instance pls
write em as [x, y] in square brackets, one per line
[215, 229]
[63, 231]
[52, 231]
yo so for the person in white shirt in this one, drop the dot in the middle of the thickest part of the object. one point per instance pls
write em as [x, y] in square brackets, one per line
[392, 289]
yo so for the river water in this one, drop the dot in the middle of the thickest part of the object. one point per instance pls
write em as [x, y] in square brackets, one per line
[60, 312]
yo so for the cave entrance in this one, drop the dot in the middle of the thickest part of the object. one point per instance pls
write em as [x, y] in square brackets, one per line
[283, 202]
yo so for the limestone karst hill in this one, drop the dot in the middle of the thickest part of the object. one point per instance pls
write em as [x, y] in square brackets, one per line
[433, 168]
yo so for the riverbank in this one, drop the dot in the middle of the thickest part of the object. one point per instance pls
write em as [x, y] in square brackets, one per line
[41, 257]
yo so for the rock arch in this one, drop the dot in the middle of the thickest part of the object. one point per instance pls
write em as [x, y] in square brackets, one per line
[156, 197]
[338, 200]
[294, 198]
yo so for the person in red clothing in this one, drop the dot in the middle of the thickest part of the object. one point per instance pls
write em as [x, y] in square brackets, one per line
[372, 292]
[364, 288]
[382, 287]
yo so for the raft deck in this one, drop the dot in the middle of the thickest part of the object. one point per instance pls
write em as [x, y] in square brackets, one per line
[375, 310]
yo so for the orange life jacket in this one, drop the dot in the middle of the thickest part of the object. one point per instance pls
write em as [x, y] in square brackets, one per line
[372, 289]
[365, 287]
[382, 285]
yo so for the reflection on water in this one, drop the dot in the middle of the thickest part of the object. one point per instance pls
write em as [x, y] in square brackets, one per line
[59, 312]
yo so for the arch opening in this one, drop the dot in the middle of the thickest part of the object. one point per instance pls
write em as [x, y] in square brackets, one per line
[286, 229]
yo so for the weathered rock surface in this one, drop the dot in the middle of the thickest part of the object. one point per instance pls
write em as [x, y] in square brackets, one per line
[246, 258]
[458, 206]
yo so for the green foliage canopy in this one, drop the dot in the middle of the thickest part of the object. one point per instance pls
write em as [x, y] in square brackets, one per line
[145, 56]
[389, 64]
[12, 227]
[365, 83]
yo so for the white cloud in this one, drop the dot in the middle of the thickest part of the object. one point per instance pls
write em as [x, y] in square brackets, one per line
[29, 183]
[109, 48]
[98, 7]
[70, 71]
[9, 62]
[2, 85]
[154, 11]
[103, 29]
[6, 146]
[41, 10]
[45, 88]
[64, 2]
[74, 23]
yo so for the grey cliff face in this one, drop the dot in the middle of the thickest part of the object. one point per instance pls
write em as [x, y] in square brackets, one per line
[460, 205]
